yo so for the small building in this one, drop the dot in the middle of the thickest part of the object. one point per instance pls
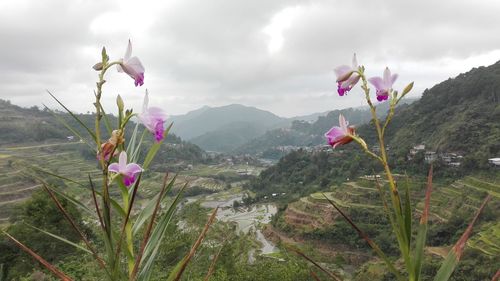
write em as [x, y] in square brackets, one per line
[494, 161]
[430, 156]
[70, 138]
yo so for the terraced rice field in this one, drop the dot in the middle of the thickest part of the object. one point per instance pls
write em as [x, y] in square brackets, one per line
[64, 160]
[467, 193]
[60, 158]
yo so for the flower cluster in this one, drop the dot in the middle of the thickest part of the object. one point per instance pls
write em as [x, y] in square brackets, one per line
[153, 118]
[347, 78]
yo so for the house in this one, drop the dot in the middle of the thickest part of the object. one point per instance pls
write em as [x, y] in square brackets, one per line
[430, 156]
[494, 161]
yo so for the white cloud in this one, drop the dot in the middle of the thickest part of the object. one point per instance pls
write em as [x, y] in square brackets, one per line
[277, 55]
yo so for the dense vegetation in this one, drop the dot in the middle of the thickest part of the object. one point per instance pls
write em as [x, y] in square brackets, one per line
[461, 114]
[303, 133]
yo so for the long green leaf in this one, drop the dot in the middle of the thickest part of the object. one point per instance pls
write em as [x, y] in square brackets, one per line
[151, 249]
[71, 129]
[407, 212]
[107, 123]
[61, 239]
[148, 210]
[74, 116]
[453, 257]
[422, 228]
[45, 263]
[131, 143]
[300, 253]
[370, 242]
[176, 274]
[154, 148]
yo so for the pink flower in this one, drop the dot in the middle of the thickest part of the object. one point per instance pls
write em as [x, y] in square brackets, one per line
[128, 171]
[347, 76]
[383, 85]
[153, 118]
[132, 66]
[340, 135]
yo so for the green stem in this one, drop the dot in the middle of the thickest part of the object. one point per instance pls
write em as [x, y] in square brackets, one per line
[395, 198]
[105, 191]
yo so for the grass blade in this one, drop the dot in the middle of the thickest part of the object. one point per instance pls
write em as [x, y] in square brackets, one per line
[153, 214]
[211, 269]
[73, 224]
[153, 205]
[59, 274]
[74, 116]
[422, 228]
[407, 212]
[497, 276]
[107, 124]
[60, 238]
[300, 253]
[176, 274]
[75, 132]
[453, 257]
[153, 244]
[370, 242]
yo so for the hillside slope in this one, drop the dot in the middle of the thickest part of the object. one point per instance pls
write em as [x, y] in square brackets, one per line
[458, 115]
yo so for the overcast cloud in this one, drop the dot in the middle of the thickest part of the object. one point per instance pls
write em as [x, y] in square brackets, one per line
[275, 55]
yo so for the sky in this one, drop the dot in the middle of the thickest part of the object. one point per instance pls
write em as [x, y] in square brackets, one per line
[274, 55]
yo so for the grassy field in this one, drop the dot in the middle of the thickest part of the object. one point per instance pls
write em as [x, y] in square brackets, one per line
[64, 159]
[16, 185]
[464, 194]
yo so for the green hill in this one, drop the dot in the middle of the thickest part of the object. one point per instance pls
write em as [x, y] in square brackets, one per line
[458, 115]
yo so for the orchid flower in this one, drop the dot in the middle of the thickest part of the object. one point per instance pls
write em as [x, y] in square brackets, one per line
[132, 66]
[128, 171]
[347, 76]
[153, 118]
[339, 135]
[383, 85]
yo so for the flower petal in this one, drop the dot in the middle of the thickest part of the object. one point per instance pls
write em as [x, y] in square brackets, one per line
[342, 123]
[132, 169]
[128, 52]
[393, 79]
[122, 161]
[354, 62]
[377, 82]
[145, 102]
[387, 78]
[156, 113]
[342, 70]
[159, 131]
[128, 180]
[113, 167]
[334, 133]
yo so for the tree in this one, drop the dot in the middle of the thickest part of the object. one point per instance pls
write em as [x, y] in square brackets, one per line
[41, 212]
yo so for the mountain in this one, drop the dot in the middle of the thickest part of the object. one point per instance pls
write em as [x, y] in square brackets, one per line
[303, 133]
[20, 126]
[211, 119]
[310, 117]
[461, 114]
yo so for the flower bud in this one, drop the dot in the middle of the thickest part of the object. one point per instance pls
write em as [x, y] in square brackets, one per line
[97, 66]
[119, 102]
[407, 89]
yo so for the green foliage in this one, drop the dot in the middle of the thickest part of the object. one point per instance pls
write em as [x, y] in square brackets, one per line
[41, 212]
[457, 115]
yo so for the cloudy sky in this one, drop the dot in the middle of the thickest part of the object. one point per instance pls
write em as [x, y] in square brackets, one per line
[275, 55]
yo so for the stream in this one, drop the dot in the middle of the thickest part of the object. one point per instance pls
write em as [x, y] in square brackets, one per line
[246, 218]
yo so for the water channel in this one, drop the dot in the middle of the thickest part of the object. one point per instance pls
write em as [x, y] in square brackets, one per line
[247, 218]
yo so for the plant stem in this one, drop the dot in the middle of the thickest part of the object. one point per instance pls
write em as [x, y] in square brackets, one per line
[395, 198]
